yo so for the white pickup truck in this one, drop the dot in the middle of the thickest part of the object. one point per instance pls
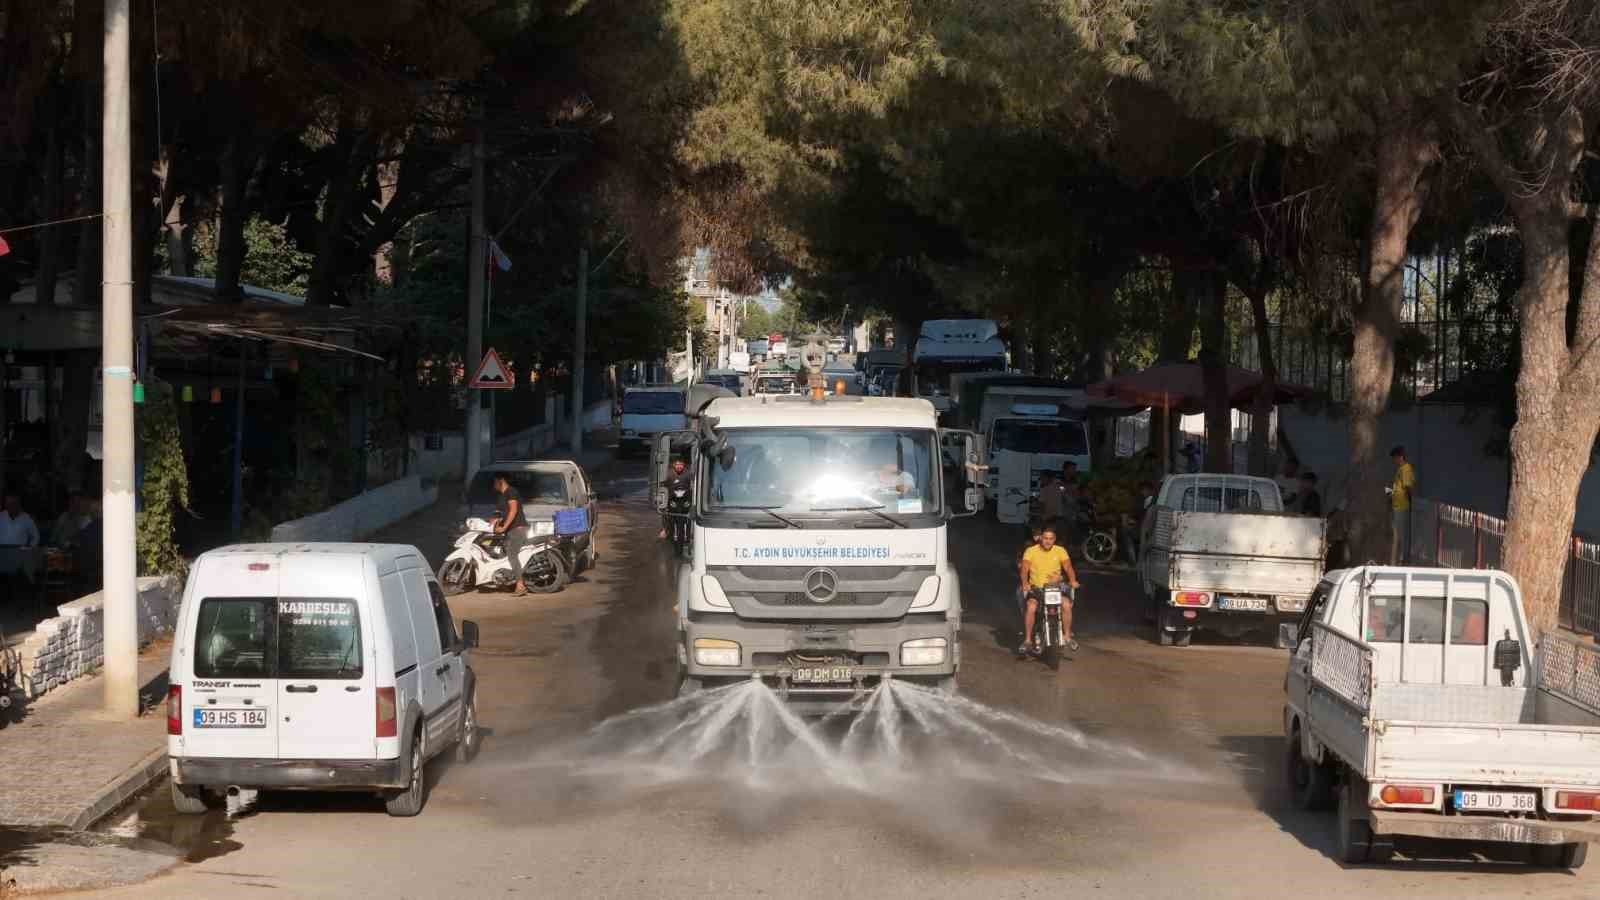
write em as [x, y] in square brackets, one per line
[1218, 551]
[1416, 705]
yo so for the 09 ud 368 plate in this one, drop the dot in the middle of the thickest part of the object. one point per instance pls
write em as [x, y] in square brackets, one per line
[823, 675]
[1496, 801]
[212, 717]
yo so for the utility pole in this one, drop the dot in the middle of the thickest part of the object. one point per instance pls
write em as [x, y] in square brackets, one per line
[578, 347]
[116, 348]
[477, 266]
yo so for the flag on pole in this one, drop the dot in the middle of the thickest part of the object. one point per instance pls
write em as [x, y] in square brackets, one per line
[499, 256]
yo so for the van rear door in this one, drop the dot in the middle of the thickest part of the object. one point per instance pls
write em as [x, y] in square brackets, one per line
[325, 662]
[229, 706]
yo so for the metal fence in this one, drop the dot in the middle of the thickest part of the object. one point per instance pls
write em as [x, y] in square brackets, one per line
[1459, 538]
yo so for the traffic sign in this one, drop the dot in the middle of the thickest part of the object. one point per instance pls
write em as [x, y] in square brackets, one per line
[492, 375]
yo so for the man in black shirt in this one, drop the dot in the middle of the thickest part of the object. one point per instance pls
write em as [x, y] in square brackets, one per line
[513, 524]
[1308, 502]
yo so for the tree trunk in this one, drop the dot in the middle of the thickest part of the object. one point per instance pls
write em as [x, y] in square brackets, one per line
[1557, 420]
[1214, 370]
[235, 165]
[71, 423]
[49, 239]
[1261, 408]
[344, 187]
[1405, 150]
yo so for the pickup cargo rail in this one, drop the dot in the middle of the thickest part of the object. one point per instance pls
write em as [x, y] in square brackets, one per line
[1343, 665]
[1570, 668]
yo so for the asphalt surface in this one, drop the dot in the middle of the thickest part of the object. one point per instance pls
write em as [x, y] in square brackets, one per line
[1133, 771]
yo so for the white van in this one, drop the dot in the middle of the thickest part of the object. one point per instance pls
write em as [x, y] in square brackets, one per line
[646, 412]
[316, 667]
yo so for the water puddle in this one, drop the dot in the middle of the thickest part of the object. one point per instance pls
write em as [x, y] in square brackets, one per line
[914, 753]
[151, 820]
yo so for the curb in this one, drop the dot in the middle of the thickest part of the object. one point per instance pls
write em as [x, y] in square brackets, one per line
[138, 777]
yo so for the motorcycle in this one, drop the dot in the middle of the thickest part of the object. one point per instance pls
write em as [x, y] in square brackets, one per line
[479, 559]
[10, 678]
[678, 502]
[1048, 637]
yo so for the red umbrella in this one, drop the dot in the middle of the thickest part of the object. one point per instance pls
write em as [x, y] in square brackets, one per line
[1181, 388]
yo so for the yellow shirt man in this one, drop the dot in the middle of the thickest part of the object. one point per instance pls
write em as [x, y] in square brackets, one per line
[1045, 566]
[1405, 481]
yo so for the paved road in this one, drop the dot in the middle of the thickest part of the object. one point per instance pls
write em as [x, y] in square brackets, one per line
[1135, 771]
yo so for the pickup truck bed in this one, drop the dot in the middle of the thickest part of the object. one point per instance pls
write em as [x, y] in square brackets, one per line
[1255, 553]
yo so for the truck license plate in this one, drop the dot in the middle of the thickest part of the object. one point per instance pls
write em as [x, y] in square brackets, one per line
[230, 718]
[1243, 604]
[1496, 801]
[823, 675]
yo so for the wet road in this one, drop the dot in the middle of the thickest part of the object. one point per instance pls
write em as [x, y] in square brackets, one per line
[1138, 771]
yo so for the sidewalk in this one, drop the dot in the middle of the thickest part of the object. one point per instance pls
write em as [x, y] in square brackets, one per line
[67, 765]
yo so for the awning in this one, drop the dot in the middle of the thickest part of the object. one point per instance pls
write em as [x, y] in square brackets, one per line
[1181, 388]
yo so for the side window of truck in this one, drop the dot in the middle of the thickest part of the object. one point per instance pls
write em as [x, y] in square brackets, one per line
[1314, 610]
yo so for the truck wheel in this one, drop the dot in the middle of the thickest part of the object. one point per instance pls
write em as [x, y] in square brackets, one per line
[188, 800]
[1355, 832]
[1310, 784]
[1182, 638]
[1163, 637]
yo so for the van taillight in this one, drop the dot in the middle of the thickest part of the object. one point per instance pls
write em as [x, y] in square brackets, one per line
[174, 709]
[1577, 801]
[387, 726]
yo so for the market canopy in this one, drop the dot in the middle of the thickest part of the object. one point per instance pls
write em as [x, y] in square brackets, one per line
[1181, 388]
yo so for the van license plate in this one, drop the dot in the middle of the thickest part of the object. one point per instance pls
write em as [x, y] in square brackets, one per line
[1243, 604]
[1496, 801]
[823, 675]
[230, 718]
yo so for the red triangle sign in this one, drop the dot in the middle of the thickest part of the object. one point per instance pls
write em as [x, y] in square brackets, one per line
[492, 375]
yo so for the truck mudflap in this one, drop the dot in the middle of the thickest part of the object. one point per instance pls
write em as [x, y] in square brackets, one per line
[1486, 828]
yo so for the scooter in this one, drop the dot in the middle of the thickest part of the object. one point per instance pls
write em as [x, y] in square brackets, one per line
[480, 560]
[678, 501]
[1048, 636]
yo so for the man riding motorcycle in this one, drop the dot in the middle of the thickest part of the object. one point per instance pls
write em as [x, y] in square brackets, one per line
[680, 477]
[1044, 564]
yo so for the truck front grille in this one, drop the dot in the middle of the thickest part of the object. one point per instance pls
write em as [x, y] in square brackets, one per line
[795, 598]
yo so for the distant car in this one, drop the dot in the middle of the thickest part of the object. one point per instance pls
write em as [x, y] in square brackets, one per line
[725, 378]
[646, 412]
[546, 487]
[833, 374]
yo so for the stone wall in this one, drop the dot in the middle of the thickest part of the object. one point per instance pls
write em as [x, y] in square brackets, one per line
[72, 643]
[361, 515]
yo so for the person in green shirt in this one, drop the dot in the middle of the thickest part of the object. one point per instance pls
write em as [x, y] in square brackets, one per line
[1400, 491]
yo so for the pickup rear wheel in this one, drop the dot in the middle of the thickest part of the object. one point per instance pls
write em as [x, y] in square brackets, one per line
[1310, 783]
[1355, 831]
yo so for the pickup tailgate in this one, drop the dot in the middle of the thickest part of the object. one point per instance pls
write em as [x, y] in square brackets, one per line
[1251, 553]
[1467, 753]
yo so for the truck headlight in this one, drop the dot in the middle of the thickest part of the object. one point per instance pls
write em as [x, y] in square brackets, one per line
[1291, 604]
[927, 594]
[714, 594]
[715, 652]
[923, 652]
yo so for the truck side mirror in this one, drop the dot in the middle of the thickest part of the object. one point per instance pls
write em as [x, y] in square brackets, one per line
[1289, 636]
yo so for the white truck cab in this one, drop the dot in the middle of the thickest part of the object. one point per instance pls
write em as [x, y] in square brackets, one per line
[316, 667]
[820, 558]
[1418, 703]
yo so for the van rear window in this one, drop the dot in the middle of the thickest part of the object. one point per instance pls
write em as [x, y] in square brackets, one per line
[284, 637]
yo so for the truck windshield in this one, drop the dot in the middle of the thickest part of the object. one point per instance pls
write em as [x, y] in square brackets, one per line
[533, 487]
[1041, 436]
[933, 375]
[816, 470]
[652, 403]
